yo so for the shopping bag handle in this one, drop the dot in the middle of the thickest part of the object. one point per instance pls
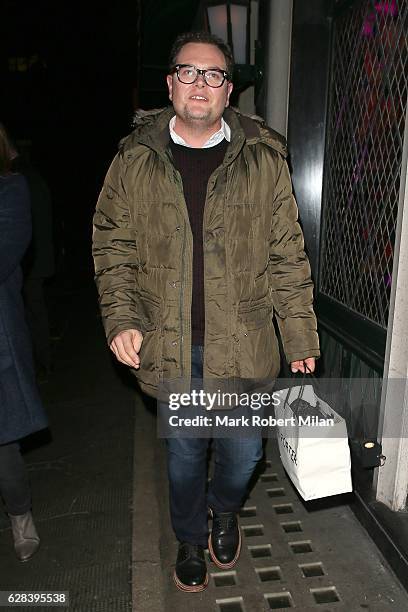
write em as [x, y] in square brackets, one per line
[311, 374]
[302, 384]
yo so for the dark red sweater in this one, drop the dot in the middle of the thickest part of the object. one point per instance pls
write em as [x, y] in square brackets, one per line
[196, 167]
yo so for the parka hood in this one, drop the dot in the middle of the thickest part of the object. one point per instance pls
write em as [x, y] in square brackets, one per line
[150, 126]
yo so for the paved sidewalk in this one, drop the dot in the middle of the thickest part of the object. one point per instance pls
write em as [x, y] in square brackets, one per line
[306, 556]
[105, 459]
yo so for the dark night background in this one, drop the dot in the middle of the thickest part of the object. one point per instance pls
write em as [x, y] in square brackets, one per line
[71, 75]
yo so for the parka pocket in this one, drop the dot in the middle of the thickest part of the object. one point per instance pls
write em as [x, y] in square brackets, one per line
[255, 316]
[150, 309]
[158, 234]
[151, 349]
[256, 349]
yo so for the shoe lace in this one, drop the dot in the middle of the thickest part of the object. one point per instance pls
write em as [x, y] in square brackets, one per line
[191, 550]
[224, 522]
[195, 549]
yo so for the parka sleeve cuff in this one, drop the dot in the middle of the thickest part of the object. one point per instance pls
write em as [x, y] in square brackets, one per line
[300, 343]
[300, 356]
[112, 328]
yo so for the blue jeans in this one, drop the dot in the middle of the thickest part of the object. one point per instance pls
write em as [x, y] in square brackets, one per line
[235, 461]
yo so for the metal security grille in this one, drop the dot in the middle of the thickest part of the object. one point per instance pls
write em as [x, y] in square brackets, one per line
[366, 119]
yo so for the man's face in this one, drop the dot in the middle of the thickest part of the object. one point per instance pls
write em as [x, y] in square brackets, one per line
[198, 102]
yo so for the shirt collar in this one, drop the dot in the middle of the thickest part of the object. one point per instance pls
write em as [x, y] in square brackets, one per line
[223, 132]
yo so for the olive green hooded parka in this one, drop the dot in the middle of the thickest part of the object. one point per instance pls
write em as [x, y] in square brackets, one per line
[254, 259]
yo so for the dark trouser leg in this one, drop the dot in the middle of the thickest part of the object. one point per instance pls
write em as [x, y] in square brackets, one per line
[235, 461]
[187, 472]
[14, 483]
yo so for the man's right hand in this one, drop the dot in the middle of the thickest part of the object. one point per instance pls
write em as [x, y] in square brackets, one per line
[126, 346]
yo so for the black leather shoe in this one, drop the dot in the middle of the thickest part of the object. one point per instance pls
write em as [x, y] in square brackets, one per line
[224, 542]
[191, 570]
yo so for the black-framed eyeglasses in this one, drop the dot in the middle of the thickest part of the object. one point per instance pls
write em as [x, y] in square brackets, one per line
[187, 74]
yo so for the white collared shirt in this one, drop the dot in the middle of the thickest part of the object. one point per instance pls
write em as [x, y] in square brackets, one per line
[223, 132]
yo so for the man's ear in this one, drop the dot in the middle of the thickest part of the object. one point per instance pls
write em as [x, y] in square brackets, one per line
[230, 87]
[169, 80]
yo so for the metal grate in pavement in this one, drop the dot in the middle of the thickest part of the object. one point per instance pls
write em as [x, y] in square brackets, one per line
[251, 531]
[225, 578]
[266, 574]
[309, 570]
[279, 601]
[324, 596]
[233, 604]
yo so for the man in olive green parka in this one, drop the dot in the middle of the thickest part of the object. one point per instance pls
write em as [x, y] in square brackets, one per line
[196, 247]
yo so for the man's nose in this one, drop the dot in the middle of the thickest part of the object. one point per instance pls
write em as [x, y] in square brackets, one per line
[200, 81]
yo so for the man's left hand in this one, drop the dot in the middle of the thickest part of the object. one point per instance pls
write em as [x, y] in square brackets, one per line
[303, 365]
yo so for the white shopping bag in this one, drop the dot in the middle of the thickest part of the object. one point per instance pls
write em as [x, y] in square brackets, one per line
[314, 452]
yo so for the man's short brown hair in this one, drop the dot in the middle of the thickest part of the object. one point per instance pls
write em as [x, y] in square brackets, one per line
[201, 37]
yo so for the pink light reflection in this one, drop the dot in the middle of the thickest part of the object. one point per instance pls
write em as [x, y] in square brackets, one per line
[387, 8]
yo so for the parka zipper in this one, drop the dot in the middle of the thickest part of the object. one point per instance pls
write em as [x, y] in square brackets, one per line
[229, 157]
[181, 314]
[177, 178]
[210, 185]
